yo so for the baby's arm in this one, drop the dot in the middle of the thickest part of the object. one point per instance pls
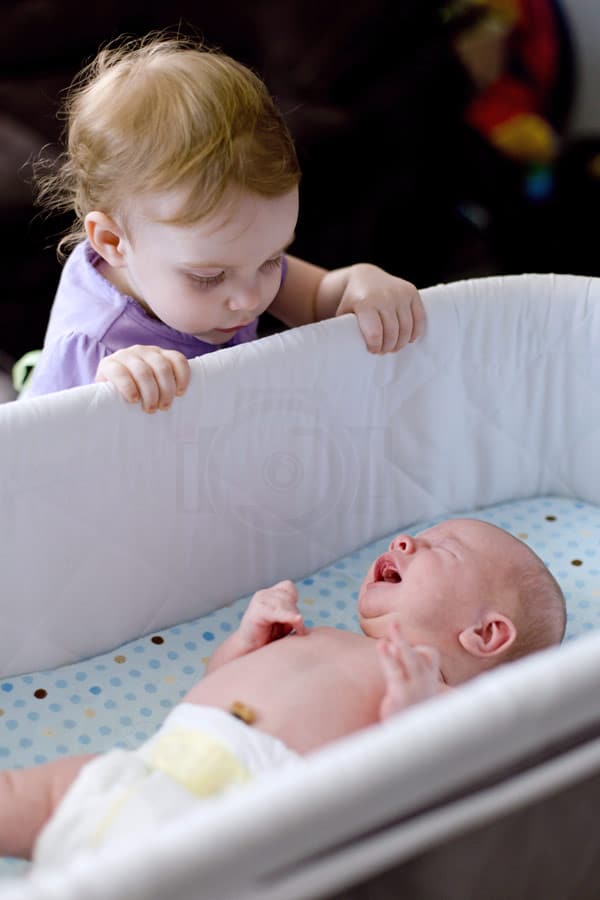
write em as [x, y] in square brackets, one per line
[28, 797]
[389, 310]
[148, 374]
[412, 674]
[271, 614]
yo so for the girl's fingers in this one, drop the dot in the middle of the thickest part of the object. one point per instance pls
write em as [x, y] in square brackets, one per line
[155, 378]
[405, 330]
[113, 371]
[371, 326]
[387, 328]
[181, 370]
[150, 374]
[393, 337]
[418, 319]
[146, 382]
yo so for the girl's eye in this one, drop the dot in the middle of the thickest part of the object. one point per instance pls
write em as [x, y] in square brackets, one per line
[271, 264]
[208, 281]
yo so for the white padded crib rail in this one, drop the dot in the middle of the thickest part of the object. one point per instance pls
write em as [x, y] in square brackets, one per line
[284, 455]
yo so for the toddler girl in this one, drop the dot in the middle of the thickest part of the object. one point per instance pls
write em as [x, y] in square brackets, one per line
[183, 180]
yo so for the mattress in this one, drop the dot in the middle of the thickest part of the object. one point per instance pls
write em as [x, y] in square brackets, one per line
[126, 539]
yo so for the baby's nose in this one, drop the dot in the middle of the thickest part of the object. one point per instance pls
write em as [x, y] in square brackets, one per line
[404, 543]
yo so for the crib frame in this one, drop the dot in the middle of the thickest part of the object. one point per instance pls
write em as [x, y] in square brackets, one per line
[499, 400]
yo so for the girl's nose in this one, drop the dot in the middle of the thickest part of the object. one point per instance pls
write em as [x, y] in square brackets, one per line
[404, 543]
[244, 299]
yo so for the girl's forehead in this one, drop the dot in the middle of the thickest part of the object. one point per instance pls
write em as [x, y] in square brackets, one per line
[235, 204]
[241, 219]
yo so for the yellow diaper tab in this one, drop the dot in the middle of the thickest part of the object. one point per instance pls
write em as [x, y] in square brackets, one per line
[197, 760]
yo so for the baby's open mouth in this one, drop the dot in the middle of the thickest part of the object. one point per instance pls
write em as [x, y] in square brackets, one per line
[385, 570]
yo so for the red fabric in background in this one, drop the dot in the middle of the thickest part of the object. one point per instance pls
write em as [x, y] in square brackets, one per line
[532, 68]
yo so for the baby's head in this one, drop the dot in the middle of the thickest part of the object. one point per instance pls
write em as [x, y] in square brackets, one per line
[159, 114]
[470, 589]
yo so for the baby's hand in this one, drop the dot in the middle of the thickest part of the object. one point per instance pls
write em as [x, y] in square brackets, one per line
[389, 310]
[412, 674]
[271, 614]
[145, 373]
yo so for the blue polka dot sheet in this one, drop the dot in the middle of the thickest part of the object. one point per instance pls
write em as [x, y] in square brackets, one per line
[120, 698]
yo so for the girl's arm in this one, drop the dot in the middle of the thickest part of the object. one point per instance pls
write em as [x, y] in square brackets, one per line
[28, 797]
[296, 300]
[389, 310]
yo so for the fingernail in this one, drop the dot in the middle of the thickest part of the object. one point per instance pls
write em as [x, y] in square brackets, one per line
[165, 405]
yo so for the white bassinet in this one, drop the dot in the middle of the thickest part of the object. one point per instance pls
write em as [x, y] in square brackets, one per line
[284, 456]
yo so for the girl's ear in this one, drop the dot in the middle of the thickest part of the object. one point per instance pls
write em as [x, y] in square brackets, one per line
[106, 237]
[490, 637]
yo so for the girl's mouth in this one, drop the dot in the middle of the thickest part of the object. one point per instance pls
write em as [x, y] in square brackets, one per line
[235, 328]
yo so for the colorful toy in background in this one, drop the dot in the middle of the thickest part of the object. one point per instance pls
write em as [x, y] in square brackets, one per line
[513, 110]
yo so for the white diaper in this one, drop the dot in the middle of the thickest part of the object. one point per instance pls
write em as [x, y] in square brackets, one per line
[198, 753]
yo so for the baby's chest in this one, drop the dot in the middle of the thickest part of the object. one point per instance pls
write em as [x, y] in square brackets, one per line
[328, 661]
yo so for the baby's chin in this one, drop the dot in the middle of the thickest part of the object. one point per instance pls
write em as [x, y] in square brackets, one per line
[373, 628]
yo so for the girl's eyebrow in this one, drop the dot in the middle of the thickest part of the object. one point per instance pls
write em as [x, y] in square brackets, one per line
[215, 265]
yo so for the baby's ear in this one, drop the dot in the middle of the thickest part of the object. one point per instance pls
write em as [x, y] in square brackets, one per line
[493, 635]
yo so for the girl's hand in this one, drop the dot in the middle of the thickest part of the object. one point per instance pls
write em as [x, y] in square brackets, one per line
[412, 674]
[389, 310]
[148, 374]
[271, 614]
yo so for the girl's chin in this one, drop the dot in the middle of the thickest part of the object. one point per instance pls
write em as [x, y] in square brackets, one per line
[214, 337]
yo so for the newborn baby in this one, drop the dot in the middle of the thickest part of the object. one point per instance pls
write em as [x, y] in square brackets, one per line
[435, 610]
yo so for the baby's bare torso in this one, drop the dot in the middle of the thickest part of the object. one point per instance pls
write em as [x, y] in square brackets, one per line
[306, 690]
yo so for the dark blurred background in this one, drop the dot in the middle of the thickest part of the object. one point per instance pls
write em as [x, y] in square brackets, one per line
[435, 138]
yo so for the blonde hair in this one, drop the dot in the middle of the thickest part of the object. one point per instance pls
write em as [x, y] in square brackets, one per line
[162, 112]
